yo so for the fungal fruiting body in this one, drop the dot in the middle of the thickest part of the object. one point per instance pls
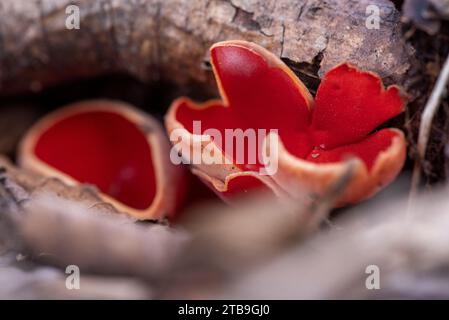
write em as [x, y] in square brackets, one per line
[314, 137]
[113, 146]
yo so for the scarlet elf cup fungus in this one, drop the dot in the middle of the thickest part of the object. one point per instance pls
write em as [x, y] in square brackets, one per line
[112, 145]
[316, 136]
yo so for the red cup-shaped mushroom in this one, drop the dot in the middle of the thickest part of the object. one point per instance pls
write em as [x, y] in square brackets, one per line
[313, 137]
[112, 145]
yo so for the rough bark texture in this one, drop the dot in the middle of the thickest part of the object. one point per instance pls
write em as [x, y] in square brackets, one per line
[24, 186]
[59, 224]
[169, 39]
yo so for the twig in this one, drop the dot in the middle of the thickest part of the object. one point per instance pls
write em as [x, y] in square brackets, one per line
[430, 110]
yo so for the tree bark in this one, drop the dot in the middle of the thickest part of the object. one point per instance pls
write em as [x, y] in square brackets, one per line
[169, 39]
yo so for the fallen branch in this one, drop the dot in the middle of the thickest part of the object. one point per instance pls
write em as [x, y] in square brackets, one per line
[61, 225]
[168, 40]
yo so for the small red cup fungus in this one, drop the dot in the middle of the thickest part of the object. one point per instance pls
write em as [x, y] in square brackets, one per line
[119, 149]
[314, 136]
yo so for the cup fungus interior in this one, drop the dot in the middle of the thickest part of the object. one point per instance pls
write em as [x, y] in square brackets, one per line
[102, 148]
[245, 184]
[259, 92]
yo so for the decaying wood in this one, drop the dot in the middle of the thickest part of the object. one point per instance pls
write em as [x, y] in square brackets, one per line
[25, 186]
[52, 212]
[64, 225]
[56, 226]
[233, 252]
[257, 250]
[62, 233]
[169, 39]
